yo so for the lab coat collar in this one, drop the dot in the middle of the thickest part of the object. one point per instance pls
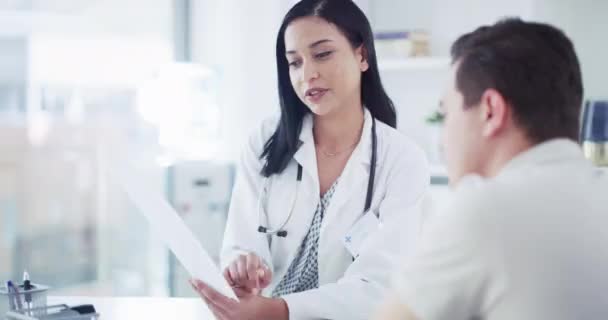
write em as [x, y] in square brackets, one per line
[364, 152]
[306, 154]
[552, 151]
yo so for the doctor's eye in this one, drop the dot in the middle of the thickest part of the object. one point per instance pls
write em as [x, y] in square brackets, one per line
[323, 55]
[295, 63]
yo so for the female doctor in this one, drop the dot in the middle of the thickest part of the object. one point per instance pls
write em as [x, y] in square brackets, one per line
[326, 198]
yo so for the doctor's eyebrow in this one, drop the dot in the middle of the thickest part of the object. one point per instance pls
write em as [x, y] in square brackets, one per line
[312, 45]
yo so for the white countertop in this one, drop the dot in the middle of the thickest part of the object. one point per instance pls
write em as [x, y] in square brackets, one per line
[144, 308]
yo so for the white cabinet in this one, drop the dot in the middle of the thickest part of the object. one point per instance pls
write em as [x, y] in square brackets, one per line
[200, 192]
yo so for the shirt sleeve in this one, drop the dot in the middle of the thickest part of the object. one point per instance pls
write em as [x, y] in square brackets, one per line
[452, 274]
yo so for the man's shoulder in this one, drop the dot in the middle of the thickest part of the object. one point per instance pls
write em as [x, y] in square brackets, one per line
[478, 201]
[475, 193]
[523, 193]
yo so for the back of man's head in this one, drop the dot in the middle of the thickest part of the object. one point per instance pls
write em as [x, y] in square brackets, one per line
[535, 69]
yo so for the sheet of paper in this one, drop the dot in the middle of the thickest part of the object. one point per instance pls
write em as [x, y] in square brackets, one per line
[165, 222]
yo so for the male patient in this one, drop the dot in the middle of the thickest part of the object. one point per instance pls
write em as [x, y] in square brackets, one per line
[526, 233]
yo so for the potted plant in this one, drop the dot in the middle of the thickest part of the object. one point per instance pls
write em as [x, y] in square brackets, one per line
[435, 121]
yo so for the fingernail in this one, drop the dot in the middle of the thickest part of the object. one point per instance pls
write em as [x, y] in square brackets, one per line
[261, 272]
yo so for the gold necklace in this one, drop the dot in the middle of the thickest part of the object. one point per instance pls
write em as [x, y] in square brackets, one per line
[333, 154]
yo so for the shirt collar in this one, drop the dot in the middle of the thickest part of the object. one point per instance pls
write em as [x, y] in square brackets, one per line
[548, 152]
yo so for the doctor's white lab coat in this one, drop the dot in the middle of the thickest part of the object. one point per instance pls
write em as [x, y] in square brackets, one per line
[347, 289]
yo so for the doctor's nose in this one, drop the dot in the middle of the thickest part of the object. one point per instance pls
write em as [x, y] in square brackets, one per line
[310, 72]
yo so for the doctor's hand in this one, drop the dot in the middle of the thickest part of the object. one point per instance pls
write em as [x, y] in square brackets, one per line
[248, 274]
[250, 306]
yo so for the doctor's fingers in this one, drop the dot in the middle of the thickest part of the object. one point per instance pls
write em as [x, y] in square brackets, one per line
[265, 276]
[233, 273]
[215, 299]
[253, 268]
[228, 277]
[238, 279]
[241, 270]
[217, 312]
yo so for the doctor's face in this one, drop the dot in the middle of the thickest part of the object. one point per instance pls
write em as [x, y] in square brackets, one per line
[463, 141]
[325, 70]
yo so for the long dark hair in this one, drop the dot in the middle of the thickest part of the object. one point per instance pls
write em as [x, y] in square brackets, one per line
[351, 21]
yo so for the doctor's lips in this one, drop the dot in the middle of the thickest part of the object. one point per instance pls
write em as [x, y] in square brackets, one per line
[315, 94]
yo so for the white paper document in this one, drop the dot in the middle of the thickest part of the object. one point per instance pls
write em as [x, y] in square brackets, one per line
[169, 227]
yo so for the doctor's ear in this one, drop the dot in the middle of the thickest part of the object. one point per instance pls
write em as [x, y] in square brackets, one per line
[362, 54]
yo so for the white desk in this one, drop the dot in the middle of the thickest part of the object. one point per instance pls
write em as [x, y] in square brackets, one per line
[148, 308]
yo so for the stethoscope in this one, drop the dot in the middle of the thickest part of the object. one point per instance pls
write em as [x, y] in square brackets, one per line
[280, 231]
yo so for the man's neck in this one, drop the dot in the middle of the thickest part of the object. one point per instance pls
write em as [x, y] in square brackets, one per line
[507, 149]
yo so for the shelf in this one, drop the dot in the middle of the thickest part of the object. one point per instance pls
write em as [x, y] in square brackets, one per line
[439, 175]
[424, 63]
[437, 170]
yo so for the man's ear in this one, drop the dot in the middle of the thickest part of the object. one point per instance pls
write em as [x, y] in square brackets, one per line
[494, 112]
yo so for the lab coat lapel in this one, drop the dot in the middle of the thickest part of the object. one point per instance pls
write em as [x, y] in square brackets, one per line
[308, 194]
[347, 204]
[352, 186]
[306, 155]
